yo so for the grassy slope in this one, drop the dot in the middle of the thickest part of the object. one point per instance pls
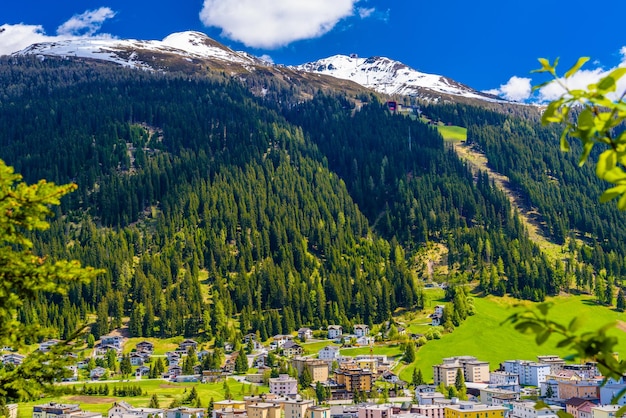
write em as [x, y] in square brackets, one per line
[166, 392]
[483, 335]
[456, 133]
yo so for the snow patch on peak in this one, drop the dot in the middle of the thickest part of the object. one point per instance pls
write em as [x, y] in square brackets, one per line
[389, 76]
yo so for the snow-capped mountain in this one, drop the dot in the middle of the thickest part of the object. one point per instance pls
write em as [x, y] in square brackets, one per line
[387, 76]
[144, 54]
[193, 51]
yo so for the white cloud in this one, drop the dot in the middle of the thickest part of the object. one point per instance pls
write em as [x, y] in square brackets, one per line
[16, 37]
[517, 89]
[85, 24]
[363, 12]
[274, 23]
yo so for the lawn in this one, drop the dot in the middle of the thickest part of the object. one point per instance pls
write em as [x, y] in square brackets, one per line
[386, 350]
[161, 346]
[484, 336]
[166, 392]
[315, 346]
[454, 133]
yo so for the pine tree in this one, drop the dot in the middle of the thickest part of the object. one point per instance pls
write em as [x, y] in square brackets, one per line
[241, 362]
[620, 304]
[305, 378]
[418, 378]
[409, 352]
[154, 401]
[126, 367]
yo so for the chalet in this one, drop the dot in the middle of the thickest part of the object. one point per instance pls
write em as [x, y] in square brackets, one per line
[46, 345]
[329, 353]
[173, 371]
[12, 358]
[437, 316]
[334, 331]
[228, 347]
[102, 349]
[122, 409]
[279, 341]
[142, 371]
[73, 375]
[136, 359]
[291, 349]
[361, 330]
[173, 358]
[113, 340]
[187, 344]
[211, 376]
[145, 347]
[575, 405]
[390, 377]
[305, 333]
[249, 337]
[97, 373]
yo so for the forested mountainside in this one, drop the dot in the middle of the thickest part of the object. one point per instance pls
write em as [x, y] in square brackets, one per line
[205, 201]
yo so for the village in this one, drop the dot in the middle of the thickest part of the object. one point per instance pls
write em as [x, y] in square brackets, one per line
[362, 386]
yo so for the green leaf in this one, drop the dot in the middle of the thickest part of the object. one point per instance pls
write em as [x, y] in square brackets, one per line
[587, 146]
[586, 120]
[564, 143]
[575, 324]
[543, 337]
[581, 61]
[621, 203]
[544, 307]
[606, 162]
[615, 175]
[612, 193]
[541, 405]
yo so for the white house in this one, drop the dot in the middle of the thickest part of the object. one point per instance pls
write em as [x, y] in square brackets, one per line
[113, 340]
[125, 410]
[527, 409]
[46, 345]
[305, 333]
[329, 353]
[284, 385]
[136, 359]
[530, 373]
[334, 331]
[361, 330]
[185, 412]
[12, 358]
[97, 373]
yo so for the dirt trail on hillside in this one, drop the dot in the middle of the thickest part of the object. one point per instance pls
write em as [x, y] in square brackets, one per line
[530, 216]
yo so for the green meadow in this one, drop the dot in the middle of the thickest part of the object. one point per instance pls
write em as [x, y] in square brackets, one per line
[453, 133]
[485, 336]
[165, 391]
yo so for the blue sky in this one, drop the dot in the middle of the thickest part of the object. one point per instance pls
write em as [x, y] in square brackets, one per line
[482, 44]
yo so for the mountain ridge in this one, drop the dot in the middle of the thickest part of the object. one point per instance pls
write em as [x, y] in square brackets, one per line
[379, 74]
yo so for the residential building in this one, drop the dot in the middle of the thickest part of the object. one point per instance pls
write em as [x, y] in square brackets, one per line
[284, 385]
[430, 411]
[354, 379]
[375, 411]
[305, 333]
[263, 410]
[145, 347]
[115, 341]
[228, 403]
[291, 349]
[474, 410]
[556, 363]
[125, 410]
[474, 370]
[12, 358]
[297, 408]
[488, 394]
[609, 391]
[530, 373]
[187, 344]
[428, 398]
[319, 412]
[45, 345]
[329, 353]
[504, 380]
[185, 412]
[279, 341]
[97, 373]
[59, 410]
[318, 369]
[361, 330]
[527, 409]
[585, 389]
[576, 406]
[437, 316]
[605, 411]
[334, 331]
[136, 359]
